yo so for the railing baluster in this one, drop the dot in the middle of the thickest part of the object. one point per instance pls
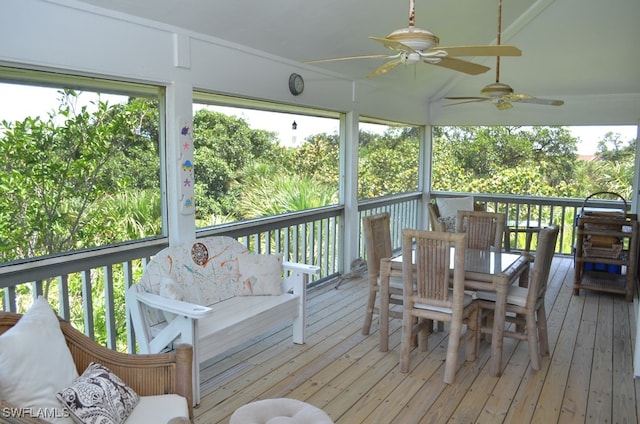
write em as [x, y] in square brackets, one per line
[63, 297]
[36, 289]
[87, 303]
[110, 319]
[10, 299]
[127, 270]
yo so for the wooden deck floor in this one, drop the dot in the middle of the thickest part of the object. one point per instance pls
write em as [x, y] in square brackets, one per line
[587, 378]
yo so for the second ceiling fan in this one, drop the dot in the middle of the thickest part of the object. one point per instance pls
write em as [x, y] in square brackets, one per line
[413, 45]
[500, 94]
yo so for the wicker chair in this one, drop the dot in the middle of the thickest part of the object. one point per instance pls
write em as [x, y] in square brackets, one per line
[147, 375]
[525, 305]
[377, 234]
[426, 260]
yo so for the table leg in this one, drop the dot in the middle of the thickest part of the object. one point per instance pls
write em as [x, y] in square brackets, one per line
[502, 287]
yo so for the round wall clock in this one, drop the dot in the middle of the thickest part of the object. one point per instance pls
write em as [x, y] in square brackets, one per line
[296, 84]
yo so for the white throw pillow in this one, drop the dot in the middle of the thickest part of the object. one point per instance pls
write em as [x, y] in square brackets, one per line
[35, 363]
[448, 208]
[259, 274]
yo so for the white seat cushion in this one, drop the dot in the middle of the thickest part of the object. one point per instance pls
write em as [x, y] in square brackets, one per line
[468, 298]
[158, 409]
[516, 296]
[279, 411]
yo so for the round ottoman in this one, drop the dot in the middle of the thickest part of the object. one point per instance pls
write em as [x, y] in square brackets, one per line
[279, 411]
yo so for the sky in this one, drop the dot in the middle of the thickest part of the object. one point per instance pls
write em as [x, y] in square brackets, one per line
[18, 102]
[590, 135]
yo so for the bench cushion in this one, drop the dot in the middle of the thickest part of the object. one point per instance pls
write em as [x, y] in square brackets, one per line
[240, 316]
[159, 409]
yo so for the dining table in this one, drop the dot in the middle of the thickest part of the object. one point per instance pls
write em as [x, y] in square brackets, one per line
[489, 270]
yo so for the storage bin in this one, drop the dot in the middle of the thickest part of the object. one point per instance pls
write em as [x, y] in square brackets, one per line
[608, 268]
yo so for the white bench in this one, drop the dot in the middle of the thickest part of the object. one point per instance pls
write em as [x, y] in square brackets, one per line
[215, 295]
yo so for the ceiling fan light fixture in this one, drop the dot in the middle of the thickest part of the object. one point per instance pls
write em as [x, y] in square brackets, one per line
[502, 104]
[416, 38]
[412, 59]
[497, 89]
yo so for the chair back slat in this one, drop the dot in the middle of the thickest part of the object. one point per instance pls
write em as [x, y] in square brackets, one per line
[484, 229]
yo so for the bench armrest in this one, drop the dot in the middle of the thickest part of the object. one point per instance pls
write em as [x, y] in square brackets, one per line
[179, 307]
[303, 268]
[299, 276]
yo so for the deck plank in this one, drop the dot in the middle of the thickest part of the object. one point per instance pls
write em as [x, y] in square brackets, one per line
[624, 405]
[588, 376]
[574, 404]
[600, 403]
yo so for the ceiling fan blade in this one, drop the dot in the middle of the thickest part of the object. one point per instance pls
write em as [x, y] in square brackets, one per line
[502, 50]
[470, 100]
[393, 44]
[335, 59]
[467, 98]
[548, 102]
[461, 66]
[384, 68]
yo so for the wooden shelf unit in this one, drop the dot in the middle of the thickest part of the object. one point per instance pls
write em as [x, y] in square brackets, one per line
[620, 270]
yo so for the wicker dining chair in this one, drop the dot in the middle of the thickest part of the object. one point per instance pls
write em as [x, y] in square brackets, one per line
[377, 235]
[485, 230]
[426, 259]
[525, 305]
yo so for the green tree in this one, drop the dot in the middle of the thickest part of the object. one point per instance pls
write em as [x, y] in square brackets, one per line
[317, 158]
[613, 167]
[54, 170]
[467, 158]
[223, 147]
[270, 190]
[388, 163]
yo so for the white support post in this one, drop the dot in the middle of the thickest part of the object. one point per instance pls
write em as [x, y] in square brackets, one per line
[349, 188]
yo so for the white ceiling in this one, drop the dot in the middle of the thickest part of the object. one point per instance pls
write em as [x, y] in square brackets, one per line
[581, 51]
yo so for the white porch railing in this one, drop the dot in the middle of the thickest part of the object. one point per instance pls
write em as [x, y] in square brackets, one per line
[313, 236]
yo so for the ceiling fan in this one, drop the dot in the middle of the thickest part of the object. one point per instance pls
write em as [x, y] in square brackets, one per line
[500, 94]
[413, 45]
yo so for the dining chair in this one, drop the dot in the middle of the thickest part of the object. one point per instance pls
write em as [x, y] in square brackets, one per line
[525, 305]
[377, 237]
[426, 257]
[485, 230]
